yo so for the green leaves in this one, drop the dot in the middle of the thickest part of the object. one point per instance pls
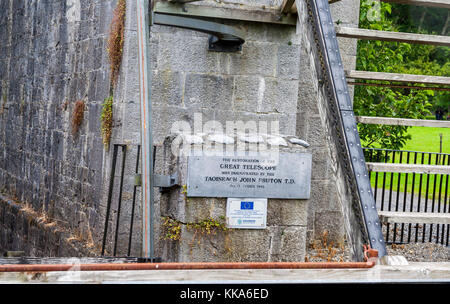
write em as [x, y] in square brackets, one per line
[394, 57]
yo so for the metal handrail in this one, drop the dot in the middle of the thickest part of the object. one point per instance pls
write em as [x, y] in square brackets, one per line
[334, 72]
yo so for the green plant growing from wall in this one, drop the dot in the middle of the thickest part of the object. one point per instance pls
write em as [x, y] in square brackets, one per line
[107, 121]
[77, 116]
[116, 40]
[184, 192]
[208, 226]
[172, 229]
[202, 229]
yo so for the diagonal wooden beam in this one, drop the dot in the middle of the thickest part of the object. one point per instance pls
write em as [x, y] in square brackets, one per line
[351, 32]
[286, 6]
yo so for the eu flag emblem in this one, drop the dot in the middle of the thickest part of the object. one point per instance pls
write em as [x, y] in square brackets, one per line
[246, 205]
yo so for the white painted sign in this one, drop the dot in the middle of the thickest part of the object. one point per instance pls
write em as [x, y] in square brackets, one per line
[246, 213]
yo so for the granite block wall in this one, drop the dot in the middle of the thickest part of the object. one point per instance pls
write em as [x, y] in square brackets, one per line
[54, 53]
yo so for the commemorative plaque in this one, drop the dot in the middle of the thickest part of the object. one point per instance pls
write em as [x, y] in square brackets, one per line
[259, 176]
[246, 213]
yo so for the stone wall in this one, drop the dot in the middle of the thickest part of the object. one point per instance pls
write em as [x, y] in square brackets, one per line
[55, 54]
[267, 81]
[283, 239]
[37, 235]
[52, 54]
[192, 84]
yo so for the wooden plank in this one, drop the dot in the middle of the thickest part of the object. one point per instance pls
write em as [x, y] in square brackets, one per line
[432, 3]
[286, 6]
[403, 122]
[390, 85]
[416, 272]
[241, 14]
[351, 32]
[425, 79]
[414, 217]
[407, 168]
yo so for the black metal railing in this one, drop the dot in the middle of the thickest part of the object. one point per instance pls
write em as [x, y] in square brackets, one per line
[112, 190]
[411, 192]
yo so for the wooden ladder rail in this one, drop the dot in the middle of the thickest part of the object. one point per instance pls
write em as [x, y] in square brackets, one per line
[430, 3]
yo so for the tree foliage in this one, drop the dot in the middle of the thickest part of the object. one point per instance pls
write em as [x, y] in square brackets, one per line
[395, 57]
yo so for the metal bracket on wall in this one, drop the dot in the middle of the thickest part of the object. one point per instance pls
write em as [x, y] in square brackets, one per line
[163, 182]
[223, 38]
[166, 181]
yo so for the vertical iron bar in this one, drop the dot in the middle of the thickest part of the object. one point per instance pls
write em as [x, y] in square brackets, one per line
[433, 199]
[412, 197]
[134, 200]
[384, 181]
[404, 197]
[445, 196]
[439, 200]
[119, 205]
[143, 14]
[110, 190]
[399, 176]
[419, 198]
[392, 180]
[376, 179]
[426, 198]
[445, 199]
[390, 196]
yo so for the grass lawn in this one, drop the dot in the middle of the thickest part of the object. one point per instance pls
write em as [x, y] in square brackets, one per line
[424, 139]
[427, 139]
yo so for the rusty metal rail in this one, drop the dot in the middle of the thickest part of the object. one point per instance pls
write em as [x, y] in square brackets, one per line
[185, 266]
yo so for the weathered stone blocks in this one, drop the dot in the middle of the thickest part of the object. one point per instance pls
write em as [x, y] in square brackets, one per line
[56, 52]
[208, 91]
[284, 239]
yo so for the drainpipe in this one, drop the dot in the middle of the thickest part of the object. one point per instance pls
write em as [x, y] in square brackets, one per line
[145, 84]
